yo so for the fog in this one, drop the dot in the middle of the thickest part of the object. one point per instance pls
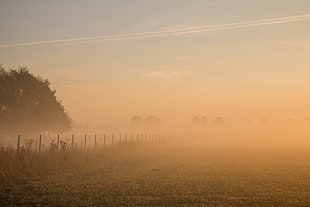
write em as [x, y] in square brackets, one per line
[271, 119]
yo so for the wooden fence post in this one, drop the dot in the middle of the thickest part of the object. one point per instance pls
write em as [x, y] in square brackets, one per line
[40, 143]
[85, 137]
[72, 141]
[58, 141]
[104, 140]
[18, 142]
[95, 141]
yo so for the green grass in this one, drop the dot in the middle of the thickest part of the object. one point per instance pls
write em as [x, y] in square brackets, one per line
[157, 175]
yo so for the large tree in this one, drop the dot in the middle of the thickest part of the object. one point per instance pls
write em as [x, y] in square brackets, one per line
[28, 105]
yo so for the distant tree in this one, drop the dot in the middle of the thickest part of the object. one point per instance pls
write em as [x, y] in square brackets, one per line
[219, 120]
[264, 121]
[136, 121]
[152, 120]
[204, 120]
[248, 122]
[290, 121]
[196, 120]
[28, 105]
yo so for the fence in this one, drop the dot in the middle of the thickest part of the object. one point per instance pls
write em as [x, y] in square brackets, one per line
[85, 141]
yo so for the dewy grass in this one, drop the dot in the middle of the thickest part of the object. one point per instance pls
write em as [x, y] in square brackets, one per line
[158, 174]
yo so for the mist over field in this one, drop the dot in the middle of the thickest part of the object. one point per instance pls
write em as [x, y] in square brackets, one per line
[163, 103]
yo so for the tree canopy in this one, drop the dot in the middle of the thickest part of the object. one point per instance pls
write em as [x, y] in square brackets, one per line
[136, 121]
[28, 105]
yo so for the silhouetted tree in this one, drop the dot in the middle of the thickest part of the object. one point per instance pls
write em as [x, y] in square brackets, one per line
[248, 122]
[204, 120]
[136, 121]
[264, 121]
[219, 120]
[28, 105]
[290, 121]
[196, 120]
[152, 120]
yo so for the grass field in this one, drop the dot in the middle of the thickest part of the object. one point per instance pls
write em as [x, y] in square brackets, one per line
[189, 173]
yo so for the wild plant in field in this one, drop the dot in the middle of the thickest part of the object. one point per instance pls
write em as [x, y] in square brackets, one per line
[64, 146]
[54, 146]
[28, 144]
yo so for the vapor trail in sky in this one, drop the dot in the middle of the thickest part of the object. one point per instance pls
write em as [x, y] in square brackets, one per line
[174, 32]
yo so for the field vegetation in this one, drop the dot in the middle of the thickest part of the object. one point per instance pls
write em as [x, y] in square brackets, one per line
[178, 172]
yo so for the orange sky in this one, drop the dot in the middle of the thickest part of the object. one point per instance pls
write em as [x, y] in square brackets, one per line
[173, 59]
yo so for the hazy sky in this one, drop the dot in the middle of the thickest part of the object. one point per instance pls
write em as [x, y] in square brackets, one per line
[170, 58]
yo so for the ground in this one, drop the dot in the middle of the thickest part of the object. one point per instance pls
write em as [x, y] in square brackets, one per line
[164, 174]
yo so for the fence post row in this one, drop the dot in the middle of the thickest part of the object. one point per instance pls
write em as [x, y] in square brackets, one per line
[147, 138]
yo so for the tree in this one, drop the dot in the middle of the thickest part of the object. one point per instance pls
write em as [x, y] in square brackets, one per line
[204, 120]
[152, 120]
[136, 121]
[28, 105]
[196, 120]
[219, 120]
[264, 121]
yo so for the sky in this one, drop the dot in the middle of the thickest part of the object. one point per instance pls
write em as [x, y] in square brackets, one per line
[110, 60]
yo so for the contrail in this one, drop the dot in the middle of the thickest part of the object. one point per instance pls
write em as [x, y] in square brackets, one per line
[179, 32]
[174, 32]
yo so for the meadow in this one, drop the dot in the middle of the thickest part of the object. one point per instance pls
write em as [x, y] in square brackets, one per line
[177, 172]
